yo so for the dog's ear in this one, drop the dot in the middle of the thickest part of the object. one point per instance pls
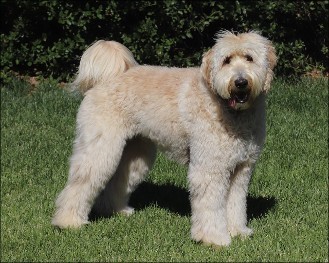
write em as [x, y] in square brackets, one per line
[206, 67]
[272, 60]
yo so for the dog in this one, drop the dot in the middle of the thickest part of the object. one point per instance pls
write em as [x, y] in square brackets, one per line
[211, 118]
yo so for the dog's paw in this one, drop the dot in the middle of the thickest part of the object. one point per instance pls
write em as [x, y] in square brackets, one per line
[217, 242]
[240, 231]
[212, 239]
[68, 221]
[127, 211]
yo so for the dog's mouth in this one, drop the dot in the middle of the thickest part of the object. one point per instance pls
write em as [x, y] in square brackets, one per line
[238, 97]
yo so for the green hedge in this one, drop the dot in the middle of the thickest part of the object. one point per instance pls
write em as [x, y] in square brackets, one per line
[48, 37]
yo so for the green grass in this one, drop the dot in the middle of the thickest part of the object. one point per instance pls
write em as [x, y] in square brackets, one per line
[288, 203]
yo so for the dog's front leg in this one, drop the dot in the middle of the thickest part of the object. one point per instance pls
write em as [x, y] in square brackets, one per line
[208, 195]
[237, 201]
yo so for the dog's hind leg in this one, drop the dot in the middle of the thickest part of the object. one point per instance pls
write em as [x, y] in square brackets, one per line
[137, 159]
[96, 155]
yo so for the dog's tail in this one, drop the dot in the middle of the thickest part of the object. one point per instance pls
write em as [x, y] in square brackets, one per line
[100, 63]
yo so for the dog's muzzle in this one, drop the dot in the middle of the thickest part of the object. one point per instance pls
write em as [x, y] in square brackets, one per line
[240, 92]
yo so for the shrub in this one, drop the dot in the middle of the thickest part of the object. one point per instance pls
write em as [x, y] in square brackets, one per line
[48, 37]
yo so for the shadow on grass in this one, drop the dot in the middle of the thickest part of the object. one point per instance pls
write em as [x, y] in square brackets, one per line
[176, 200]
[170, 197]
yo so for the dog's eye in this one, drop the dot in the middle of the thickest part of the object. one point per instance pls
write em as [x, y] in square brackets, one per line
[249, 58]
[226, 61]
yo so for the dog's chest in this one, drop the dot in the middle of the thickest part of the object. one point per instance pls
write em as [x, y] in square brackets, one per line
[243, 151]
[246, 135]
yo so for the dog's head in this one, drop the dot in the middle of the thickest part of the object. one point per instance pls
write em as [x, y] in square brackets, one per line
[239, 67]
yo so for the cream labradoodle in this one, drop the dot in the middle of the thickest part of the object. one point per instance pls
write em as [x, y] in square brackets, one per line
[211, 118]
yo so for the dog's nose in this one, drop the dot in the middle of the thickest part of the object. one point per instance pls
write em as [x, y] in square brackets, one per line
[241, 83]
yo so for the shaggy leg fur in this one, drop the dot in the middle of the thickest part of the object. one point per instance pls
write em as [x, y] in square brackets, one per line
[237, 202]
[96, 156]
[208, 193]
[137, 159]
[91, 167]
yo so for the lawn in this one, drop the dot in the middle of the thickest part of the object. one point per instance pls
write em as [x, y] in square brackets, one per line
[287, 205]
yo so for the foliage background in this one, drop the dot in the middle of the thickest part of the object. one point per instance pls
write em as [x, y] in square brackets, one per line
[48, 37]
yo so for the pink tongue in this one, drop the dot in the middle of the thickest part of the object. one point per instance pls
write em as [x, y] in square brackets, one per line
[231, 102]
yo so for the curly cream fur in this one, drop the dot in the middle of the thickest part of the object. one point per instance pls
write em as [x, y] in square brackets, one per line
[194, 115]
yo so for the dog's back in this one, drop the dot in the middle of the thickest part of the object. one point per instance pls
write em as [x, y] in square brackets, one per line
[150, 96]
